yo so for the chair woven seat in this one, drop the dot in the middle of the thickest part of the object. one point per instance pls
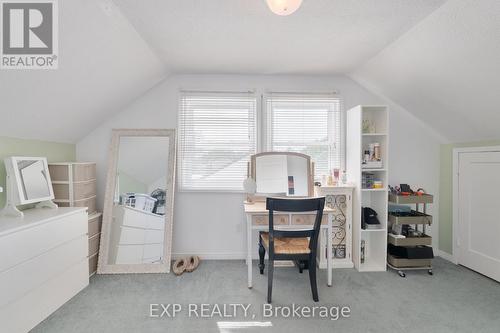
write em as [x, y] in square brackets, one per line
[298, 245]
[287, 245]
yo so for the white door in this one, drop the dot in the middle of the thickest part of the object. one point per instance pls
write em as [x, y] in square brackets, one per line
[479, 212]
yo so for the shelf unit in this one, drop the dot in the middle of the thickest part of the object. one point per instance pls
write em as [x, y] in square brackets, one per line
[419, 221]
[374, 240]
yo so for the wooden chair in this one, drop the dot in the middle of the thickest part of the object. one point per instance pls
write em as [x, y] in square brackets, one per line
[297, 245]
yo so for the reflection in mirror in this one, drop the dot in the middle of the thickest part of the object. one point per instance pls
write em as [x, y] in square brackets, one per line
[285, 174]
[34, 180]
[137, 233]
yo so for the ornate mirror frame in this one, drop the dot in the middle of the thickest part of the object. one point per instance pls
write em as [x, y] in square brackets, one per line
[103, 266]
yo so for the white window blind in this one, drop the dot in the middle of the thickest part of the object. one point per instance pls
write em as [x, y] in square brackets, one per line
[217, 136]
[307, 123]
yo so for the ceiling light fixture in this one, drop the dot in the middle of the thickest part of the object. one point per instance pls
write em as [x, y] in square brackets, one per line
[283, 7]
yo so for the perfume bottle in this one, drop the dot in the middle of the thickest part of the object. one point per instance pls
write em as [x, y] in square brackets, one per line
[336, 176]
[366, 156]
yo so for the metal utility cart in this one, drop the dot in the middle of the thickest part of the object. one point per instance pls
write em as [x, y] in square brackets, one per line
[416, 218]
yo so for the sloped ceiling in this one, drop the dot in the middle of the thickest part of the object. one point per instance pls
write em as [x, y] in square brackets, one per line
[245, 37]
[446, 70]
[104, 64]
[437, 59]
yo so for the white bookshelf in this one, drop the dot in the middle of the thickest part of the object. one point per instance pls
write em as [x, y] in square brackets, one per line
[377, 199]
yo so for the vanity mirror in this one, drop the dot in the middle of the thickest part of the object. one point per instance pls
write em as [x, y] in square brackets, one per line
[138, 209]
[28, 182]
[282, 174]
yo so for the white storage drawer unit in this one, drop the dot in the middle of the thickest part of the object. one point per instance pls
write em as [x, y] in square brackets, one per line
[81, 190]
[74, 184]
[46, 264]
[72, 171]
[95, 224]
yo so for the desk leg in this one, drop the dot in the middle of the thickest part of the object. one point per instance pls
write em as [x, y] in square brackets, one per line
[249, 250]
[329, 259]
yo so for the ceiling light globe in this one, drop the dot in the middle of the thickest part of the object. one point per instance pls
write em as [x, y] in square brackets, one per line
[283, 7]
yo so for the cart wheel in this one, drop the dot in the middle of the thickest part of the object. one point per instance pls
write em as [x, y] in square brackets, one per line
[430, 272]
[402, 274]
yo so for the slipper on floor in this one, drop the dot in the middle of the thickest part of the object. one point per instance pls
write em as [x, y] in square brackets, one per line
[192, 263]
[179, 266]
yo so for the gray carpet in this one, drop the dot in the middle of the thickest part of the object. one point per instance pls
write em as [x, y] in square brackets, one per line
[454, 300]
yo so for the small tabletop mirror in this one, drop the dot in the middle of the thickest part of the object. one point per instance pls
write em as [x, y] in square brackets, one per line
[138, 209]
[28, 182]
[282, 173]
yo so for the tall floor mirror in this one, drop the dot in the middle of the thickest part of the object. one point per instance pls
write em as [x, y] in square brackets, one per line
[138, 206]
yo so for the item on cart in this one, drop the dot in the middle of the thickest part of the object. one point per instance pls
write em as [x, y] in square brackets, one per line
[411, 252]
[394, 208]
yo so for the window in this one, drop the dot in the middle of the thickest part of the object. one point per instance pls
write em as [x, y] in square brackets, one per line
[217, 136]
[309, 124]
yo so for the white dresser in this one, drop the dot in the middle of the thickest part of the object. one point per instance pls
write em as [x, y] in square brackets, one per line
[43, 263]
[138, 236]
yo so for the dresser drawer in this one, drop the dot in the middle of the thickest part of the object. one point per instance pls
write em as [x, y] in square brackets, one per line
[95, 224]
[156, 222]
[154, 236]
[90, 203]
[59, 172]
[152, 251]
[81, 190]
[307, 219]
[131, 236]
[94, 244]
[154, 260]
[279, 219]
[23, 314]
[26, 244]
[84, 171]
[23, 278]
[129, 218]
[139, 219]
[93, 264]
[129, 254]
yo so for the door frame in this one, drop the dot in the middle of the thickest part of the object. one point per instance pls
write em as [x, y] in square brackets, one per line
[455, 216]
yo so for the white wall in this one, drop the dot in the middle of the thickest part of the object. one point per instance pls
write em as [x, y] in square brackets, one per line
[212, 224]
[445, 70]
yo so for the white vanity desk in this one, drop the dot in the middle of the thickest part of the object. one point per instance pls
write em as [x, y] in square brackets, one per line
[298, 174]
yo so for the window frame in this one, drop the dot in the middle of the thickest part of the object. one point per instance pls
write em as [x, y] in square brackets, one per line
[262, 127]
[342, 136]
[257, 131]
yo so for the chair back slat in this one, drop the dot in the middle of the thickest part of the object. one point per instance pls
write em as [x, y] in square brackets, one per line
[296, 205]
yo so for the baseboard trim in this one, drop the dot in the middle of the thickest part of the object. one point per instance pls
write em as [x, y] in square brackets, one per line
[212, 256]
[446, 256]
[243, 256]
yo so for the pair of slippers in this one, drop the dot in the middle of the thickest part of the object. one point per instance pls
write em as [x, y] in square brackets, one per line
[188, 264]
